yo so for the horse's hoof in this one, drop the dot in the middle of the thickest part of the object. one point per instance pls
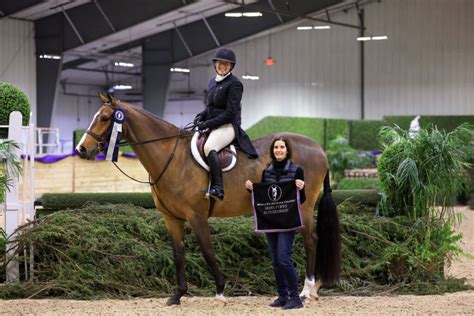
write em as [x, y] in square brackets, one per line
[173, 301]
[220, 300]
[313, 297]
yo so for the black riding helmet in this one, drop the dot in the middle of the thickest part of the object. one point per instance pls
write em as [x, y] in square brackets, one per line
[225, 54]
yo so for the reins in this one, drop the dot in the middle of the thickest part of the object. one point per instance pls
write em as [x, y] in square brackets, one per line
[169, 158]
[189, 131]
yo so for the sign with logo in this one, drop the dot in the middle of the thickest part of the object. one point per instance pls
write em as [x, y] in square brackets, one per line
[276, 207]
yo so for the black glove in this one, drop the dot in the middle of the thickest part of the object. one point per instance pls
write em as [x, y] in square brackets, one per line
[197, 119]
[201, 126]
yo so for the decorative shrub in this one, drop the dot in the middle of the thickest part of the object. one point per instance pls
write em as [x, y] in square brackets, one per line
[416, 172]
[10, 166]
[12, 99]
[342, 156]
[335, 128]
[3, 250]
[420, 175]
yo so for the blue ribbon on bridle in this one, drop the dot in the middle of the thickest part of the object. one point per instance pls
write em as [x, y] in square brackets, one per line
[115, 133]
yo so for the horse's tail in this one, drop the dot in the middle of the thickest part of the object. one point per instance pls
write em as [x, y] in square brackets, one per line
[328, 252]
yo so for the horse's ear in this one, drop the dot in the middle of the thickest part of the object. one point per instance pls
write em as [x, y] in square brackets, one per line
[103, 98]
[112, 100]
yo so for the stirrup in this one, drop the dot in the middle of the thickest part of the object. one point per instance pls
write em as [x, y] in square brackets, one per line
[216, 194]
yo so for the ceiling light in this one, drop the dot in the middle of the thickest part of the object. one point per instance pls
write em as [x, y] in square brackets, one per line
[233, 14]
[364, 38]
[121, 87]
[322, 27]
[180, 70]
[250, 77]
[378, 38]
[123, 64]
[304, 28]
[252, 14]
[45, 56]
[245, 14]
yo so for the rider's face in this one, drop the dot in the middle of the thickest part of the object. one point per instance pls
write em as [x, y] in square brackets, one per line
[279, 150]
[223, 67]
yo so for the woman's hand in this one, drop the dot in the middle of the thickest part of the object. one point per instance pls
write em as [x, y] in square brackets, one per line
[299, 184]
[249, 185]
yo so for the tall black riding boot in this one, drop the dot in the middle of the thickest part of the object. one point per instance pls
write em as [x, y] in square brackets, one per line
[217, 188]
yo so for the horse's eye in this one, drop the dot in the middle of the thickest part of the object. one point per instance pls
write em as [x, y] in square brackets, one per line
[103, 118]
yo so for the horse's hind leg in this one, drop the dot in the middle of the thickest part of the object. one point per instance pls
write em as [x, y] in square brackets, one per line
[175, 228]
[310, 289]
[200, 227]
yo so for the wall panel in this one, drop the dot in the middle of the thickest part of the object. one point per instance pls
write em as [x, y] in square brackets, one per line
[17, 57]
[426, 65]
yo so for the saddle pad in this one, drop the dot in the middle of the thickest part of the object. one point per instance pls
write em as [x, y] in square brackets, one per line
[227, 156]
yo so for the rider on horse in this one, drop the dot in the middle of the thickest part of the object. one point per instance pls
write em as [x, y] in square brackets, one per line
[222, 117]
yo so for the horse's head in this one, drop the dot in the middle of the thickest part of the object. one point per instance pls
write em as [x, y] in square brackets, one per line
[92, 142]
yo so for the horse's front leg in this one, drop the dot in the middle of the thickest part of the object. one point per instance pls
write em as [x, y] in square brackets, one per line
[175, 228]
[200, 227]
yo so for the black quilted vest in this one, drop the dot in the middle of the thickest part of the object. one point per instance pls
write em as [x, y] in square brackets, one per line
[289, 172]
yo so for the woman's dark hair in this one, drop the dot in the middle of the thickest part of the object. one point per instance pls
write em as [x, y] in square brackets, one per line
[287, 144]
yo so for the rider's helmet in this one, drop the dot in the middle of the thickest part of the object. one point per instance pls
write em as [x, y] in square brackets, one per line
[225, 54]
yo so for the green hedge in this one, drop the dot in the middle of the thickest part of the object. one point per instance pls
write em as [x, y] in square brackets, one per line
[448, 123]
[311, 127]
[335, 128]
[358, 183]
[60, 201]
[364, 134]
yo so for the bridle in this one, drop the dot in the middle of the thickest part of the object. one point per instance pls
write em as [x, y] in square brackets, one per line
[101, 141]
[100, 138]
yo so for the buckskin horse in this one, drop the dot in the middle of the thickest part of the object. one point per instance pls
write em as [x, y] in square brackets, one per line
[164, 151]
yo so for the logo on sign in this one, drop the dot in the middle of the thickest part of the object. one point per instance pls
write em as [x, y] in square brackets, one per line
[274, 192]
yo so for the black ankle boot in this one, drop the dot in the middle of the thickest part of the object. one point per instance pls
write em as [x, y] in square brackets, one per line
[279, 302]
[217, 188]
[293, 303]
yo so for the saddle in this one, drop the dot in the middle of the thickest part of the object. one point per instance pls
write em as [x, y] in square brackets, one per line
[227, 156]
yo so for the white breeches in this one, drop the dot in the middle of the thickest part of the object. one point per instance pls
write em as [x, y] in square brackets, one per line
[219, 138]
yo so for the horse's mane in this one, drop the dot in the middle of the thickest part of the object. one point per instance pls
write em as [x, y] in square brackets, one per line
[155, 119]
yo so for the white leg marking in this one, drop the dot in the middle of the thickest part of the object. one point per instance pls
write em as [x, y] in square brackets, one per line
[84, 136]
[309, 289]
[220, 299]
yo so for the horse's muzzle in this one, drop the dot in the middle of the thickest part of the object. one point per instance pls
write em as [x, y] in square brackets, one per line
[85, 154]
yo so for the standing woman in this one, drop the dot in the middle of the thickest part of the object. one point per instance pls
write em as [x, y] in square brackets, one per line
[222, 117]
[280, 244]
